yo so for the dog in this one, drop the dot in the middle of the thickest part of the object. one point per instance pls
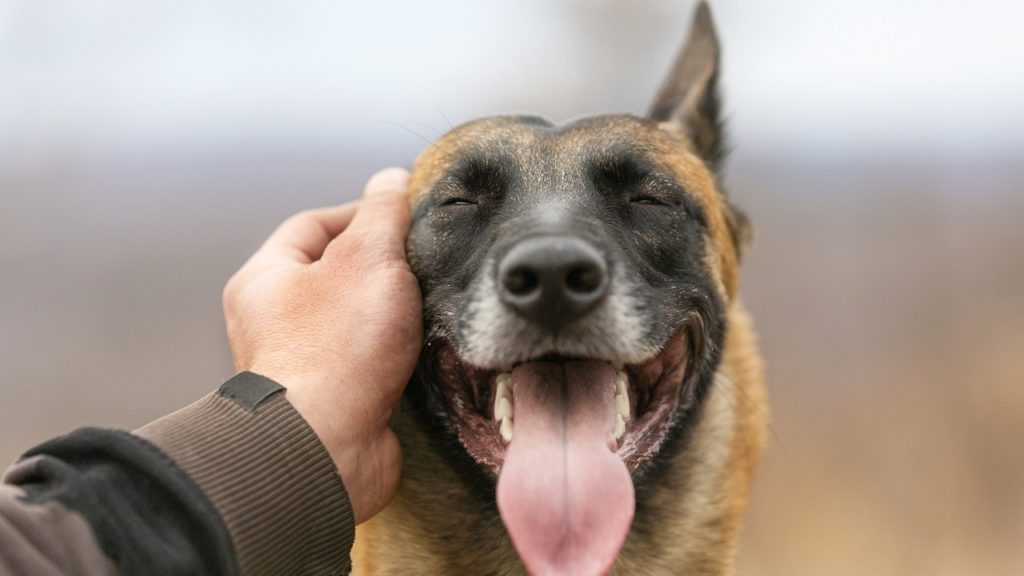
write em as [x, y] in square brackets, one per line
[589, 398]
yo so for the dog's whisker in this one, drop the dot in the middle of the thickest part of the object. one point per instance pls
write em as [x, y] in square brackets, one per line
[428, 127]
[443, 115]
[407, 129]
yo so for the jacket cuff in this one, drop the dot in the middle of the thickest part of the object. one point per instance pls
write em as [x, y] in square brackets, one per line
[267, 474]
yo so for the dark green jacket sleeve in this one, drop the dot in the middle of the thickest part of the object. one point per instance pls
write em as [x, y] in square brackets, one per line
[236, 483]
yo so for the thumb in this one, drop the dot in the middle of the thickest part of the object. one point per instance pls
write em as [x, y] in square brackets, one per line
[383, 213]
[387, 180]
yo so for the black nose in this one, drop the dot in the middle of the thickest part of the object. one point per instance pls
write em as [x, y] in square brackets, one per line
[552, 280]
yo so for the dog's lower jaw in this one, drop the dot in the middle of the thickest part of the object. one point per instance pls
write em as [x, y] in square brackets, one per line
[688, 511]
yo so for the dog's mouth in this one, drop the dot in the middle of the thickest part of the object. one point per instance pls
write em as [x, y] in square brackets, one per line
[482, 404]
[564, 435]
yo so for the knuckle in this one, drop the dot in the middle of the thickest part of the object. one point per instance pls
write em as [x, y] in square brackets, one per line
[300, 219]
[391, 197]
[230, 292]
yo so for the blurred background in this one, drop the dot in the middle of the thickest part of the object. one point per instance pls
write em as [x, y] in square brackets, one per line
[146, 149]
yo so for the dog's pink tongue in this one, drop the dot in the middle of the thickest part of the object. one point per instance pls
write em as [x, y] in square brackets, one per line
[565, 497]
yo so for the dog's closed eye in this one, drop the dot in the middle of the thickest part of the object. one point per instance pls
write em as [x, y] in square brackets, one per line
[637, 183]
[650, 200]
[659, 190]
[457, 201]
[471, 181]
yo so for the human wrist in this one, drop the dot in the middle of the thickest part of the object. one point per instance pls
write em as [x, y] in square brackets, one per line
[245, 440]
[364, 451]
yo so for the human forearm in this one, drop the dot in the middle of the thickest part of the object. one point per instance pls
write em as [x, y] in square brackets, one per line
[236, 483]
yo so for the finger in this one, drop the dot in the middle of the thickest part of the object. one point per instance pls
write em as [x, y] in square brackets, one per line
[302, 238]
[384, 210]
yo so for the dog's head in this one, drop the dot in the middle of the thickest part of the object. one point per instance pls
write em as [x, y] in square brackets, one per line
[575, 281]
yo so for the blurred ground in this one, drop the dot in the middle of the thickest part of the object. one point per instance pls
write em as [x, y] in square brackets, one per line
[891, 322]
[886, 278]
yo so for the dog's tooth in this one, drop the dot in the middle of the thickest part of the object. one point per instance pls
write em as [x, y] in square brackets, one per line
[502, 408]
[621, 381]
[620, 426]
[622, 404]
[506, 429]
[504, 387]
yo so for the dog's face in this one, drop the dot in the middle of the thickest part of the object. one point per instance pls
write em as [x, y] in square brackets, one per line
[575, 281]
[600, 240]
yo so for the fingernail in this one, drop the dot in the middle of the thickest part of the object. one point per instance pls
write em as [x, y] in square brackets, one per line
[388, 179]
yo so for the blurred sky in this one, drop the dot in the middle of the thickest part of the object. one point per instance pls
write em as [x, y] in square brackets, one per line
[118, 78]
[147, 148]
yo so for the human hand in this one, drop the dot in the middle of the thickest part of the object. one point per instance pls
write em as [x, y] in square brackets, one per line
[329, 308]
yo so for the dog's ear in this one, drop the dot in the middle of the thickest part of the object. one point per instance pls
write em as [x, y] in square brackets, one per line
[689, 96]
